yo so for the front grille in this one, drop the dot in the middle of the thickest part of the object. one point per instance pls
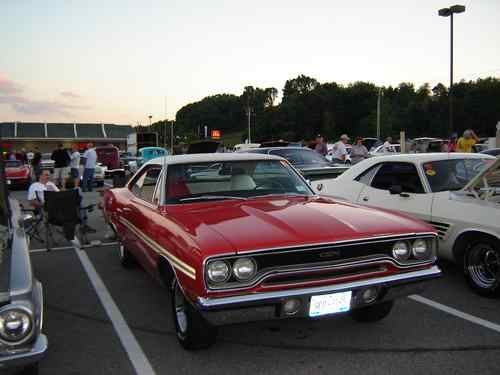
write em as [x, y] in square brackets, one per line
[276, 265]
[291, 279]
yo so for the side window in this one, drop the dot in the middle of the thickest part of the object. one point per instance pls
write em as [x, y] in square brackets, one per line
[367, 175]
[144, 185]
[393, 174]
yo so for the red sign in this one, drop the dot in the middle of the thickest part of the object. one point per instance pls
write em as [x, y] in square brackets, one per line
[215, 134]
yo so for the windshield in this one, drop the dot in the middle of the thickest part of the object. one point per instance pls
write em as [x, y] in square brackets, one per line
[232, 180]
[301, 156]
[46, 156]
[452, 174]
[13, 164]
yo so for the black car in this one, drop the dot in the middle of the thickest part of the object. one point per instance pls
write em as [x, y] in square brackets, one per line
[312, 165]
[492, 151]
[22, 343]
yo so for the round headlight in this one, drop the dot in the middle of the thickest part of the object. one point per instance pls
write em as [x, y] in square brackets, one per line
[244, 269]
[420, 249]
[401, 251]
[218, 271]
[15, 325]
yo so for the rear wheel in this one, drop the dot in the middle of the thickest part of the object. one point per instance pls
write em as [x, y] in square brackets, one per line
[373, 313]
[127, 260]
[482, 266]
[192, 330]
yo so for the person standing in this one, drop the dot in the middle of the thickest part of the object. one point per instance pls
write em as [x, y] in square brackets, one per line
[388, 147]
[75, 164]
[36, 163]
[358, 151]
[320, 146]
[340, 150]
[465, 143]
[61, 162]
[90, 157]
[452, 144]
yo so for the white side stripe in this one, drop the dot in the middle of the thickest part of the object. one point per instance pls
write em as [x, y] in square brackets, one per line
[455, 312]
[176, 262]
[134, 351]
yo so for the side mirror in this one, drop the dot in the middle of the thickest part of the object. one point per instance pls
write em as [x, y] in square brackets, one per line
[396, 189]
[309, 182]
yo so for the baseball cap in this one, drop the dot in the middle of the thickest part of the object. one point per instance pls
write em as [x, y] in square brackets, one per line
[344, 136]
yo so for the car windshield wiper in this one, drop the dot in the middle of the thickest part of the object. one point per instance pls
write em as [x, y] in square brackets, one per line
[279, 194]
[210, 197]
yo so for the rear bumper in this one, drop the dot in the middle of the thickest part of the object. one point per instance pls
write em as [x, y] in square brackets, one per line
[268, 305]
[24, 357]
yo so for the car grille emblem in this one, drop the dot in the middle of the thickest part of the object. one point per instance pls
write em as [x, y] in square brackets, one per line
[330, 254]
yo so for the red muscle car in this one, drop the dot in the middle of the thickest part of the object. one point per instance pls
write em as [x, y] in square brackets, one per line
[242, 237]
[17, 173]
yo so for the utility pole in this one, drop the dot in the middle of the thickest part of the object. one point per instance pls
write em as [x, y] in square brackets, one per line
[172, 137]
[380, 93]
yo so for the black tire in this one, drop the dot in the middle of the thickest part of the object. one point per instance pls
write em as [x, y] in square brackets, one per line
[373, 313]
[30, 370]
[192, 330]
[482, 266]
[127, 260]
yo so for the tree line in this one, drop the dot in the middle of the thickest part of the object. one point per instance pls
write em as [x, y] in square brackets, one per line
[309, 107]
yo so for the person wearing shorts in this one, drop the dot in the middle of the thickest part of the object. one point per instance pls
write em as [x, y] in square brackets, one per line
[61, 159]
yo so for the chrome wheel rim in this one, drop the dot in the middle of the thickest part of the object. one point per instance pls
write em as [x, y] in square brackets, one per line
[180, 310]
[484, 266]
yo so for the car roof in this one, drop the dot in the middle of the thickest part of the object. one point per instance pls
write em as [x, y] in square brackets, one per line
[209, 158]
[282, 148]
[431, 156]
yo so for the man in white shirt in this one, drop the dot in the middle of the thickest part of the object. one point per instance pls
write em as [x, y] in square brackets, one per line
[339, 150]
[37, 189]
[388, 147]
[90, 157]
[75, 164]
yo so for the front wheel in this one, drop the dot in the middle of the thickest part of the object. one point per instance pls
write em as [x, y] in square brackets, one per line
[482, 267]
[373, 313]
[192, 330]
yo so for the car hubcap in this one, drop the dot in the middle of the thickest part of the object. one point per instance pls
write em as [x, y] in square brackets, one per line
[180, 310]
[484, 266]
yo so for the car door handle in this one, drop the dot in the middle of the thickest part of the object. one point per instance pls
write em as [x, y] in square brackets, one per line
[126, 209]
[404, 195]
[366, 199]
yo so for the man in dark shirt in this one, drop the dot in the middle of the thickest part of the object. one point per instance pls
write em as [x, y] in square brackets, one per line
[61, 159]
[36, 163]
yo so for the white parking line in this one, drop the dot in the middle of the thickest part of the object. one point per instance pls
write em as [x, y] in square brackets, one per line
[455, 312]
[44, 249]
[134, 351]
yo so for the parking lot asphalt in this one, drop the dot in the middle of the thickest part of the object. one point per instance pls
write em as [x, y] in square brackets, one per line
[416, 338]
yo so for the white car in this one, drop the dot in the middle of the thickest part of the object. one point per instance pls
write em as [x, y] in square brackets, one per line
[458, 194]
[395, 148]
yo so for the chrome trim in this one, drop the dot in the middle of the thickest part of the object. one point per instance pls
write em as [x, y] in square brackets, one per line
[355, 241]
[23, 358]
[213, 303]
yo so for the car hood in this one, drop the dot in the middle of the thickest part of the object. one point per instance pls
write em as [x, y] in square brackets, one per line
[259, 224]
[490, 175]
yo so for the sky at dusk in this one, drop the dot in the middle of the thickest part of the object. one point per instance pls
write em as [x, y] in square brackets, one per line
[119, 61]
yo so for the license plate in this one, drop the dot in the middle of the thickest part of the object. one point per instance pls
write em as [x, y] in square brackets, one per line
[330, 304]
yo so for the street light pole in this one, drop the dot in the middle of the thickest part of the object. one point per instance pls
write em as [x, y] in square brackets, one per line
[448, 12]
[150, 117]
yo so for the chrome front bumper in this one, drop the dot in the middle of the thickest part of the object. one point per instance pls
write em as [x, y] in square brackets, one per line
[267, 305]
[25, 357]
